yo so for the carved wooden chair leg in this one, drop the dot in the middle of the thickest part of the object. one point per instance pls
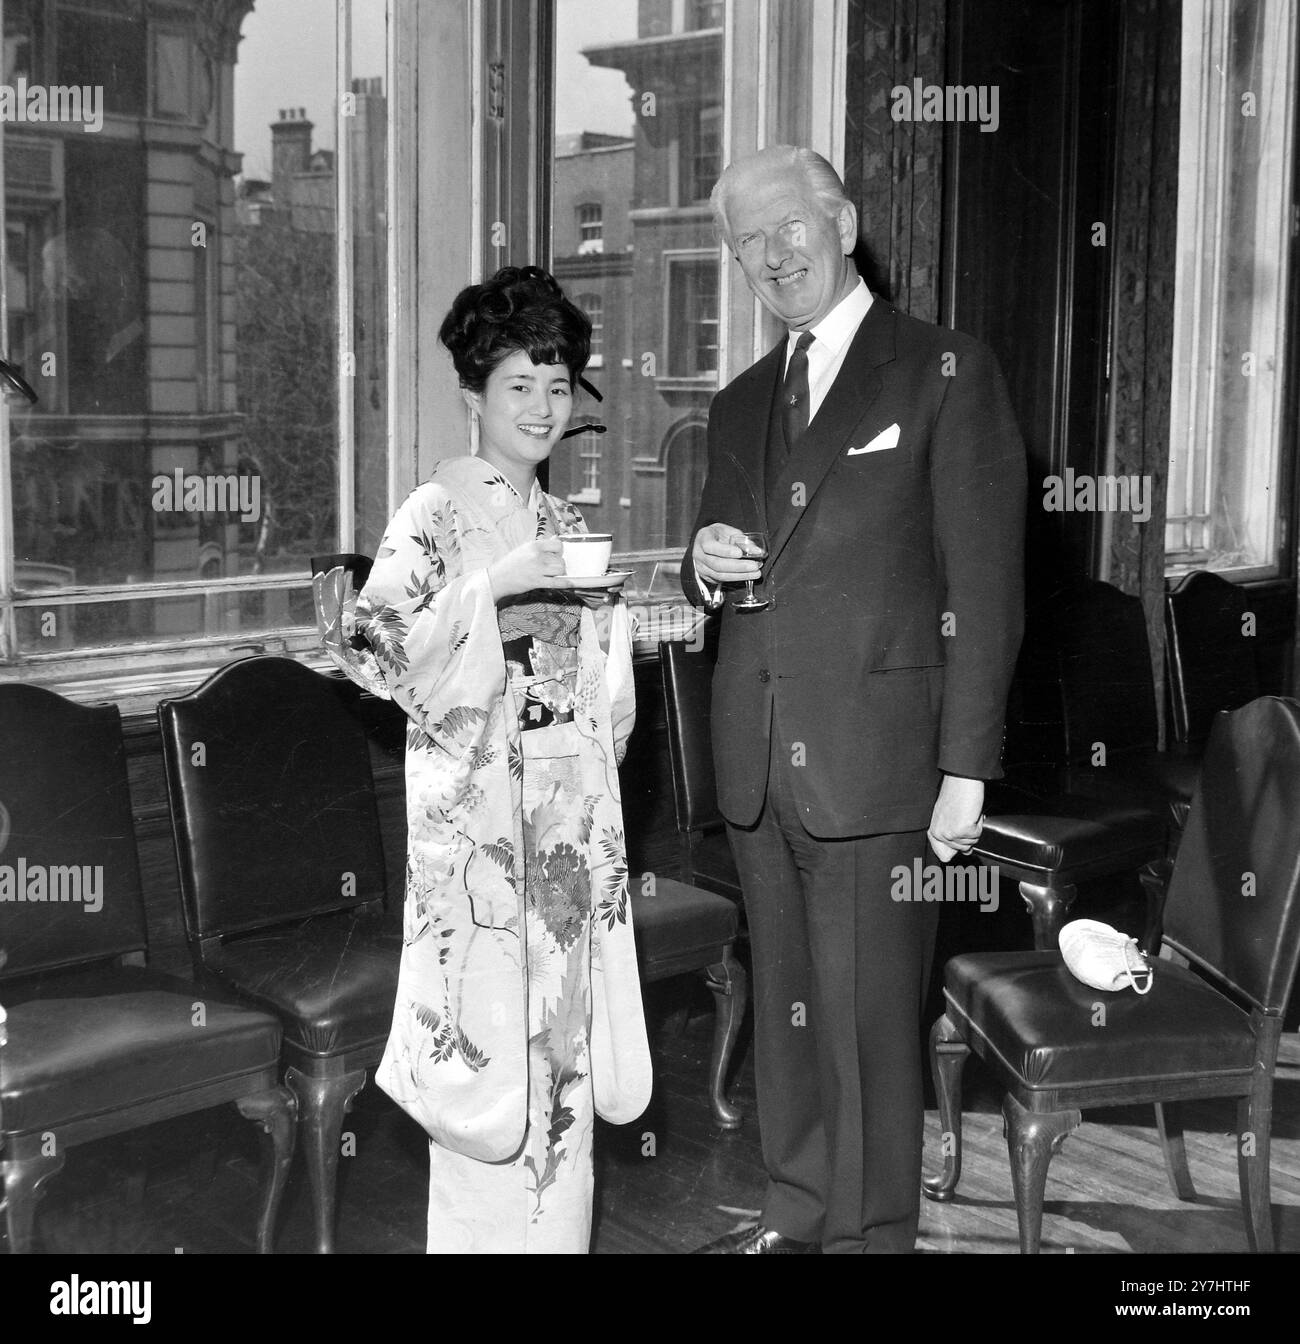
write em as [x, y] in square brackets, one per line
[1254, 1141]
[1169, 1125]
[275, 1113]
[1048, 906]
[726, 979]
[322, 1104]
[1032, 1138]
[948, 1053]
[22, 1179]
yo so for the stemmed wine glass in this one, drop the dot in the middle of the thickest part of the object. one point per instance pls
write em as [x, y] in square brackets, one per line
[756, 546]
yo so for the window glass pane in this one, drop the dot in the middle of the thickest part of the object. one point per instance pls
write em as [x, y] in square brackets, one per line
[1236, 160]
[21, 20]
[286, 362]
[102, 43]
[705, 13]
[638, 119]
[172, 300]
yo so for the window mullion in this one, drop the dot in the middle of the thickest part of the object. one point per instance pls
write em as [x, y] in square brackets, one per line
[8, 643]
[346, 360]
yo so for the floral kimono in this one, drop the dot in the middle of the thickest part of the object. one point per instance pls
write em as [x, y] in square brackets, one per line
[518, 1013]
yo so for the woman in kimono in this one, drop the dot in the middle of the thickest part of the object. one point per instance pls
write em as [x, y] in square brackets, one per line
[518, 1014]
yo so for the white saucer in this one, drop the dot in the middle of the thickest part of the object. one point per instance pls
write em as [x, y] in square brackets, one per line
[614, 578]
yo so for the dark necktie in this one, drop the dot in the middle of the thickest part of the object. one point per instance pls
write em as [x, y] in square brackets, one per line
[794, 394]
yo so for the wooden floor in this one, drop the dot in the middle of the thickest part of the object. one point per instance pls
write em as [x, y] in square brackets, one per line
[672, 1180]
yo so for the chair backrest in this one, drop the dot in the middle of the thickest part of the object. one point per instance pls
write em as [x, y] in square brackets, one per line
[358, 565]
[69, 875]
[1234, 898]
[272, 798]
[1209, 654]
[687, 671]
[1034, 740]
[1107, 684]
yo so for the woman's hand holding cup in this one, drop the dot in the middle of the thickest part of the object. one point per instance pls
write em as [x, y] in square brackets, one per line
[535, 564]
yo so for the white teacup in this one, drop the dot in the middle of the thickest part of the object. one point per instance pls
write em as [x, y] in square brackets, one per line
[586, 554]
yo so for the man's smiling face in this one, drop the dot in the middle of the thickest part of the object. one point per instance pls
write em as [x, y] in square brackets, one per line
[794, 255]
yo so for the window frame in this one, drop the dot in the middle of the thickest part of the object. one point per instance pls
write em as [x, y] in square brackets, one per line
[133, 669]
[1198, 439]
[437, 139]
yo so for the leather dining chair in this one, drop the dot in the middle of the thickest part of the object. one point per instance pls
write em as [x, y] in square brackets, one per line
[678, 929]
[1108, 697]
[1209, 654]
[283, 882]
[98, 1044]
[1209, 1027]
[687, 674]
[1055, 821]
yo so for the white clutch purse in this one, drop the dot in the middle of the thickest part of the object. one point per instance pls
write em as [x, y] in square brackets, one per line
[1104, 957]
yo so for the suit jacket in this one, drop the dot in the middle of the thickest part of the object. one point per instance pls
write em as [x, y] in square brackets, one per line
[896, 579]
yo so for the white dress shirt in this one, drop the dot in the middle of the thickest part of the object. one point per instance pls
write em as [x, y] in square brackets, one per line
[832, 337]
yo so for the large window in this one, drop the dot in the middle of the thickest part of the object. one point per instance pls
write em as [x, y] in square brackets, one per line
[651, 99]
[227, 298]
[638, 124]
[1235, 188]
[211, 412]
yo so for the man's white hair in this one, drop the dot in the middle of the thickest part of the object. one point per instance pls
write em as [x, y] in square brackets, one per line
[822, 179]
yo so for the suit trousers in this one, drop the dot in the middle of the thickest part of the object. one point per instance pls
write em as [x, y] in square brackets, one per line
[840, 976]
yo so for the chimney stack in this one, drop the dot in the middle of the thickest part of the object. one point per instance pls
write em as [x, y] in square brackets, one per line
[290, 151]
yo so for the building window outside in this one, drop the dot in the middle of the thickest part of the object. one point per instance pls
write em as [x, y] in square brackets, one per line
[1235, 188]
[701, 152]
[594, 306]
[591, 229]
[589, 457]
[692, 324]
[20, 289]
[705, 14]
[207, 309]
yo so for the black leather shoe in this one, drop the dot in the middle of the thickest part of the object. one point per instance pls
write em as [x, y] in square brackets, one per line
[758, 1240]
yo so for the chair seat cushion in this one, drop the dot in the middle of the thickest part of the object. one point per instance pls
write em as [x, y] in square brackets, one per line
[1064, 832]
[332, 981]
[1027, 1015]
[90, 1042]
[680, 928]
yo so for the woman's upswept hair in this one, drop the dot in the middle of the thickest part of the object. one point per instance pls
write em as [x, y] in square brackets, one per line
[823, 181]
[520, 308]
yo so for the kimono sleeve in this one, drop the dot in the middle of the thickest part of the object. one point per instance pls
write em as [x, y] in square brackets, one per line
[433, 627]
[618, 679]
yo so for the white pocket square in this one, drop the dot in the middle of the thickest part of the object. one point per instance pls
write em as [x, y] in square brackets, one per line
[887, 438]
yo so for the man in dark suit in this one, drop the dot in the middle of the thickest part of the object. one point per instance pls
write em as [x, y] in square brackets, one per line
[857, 716]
